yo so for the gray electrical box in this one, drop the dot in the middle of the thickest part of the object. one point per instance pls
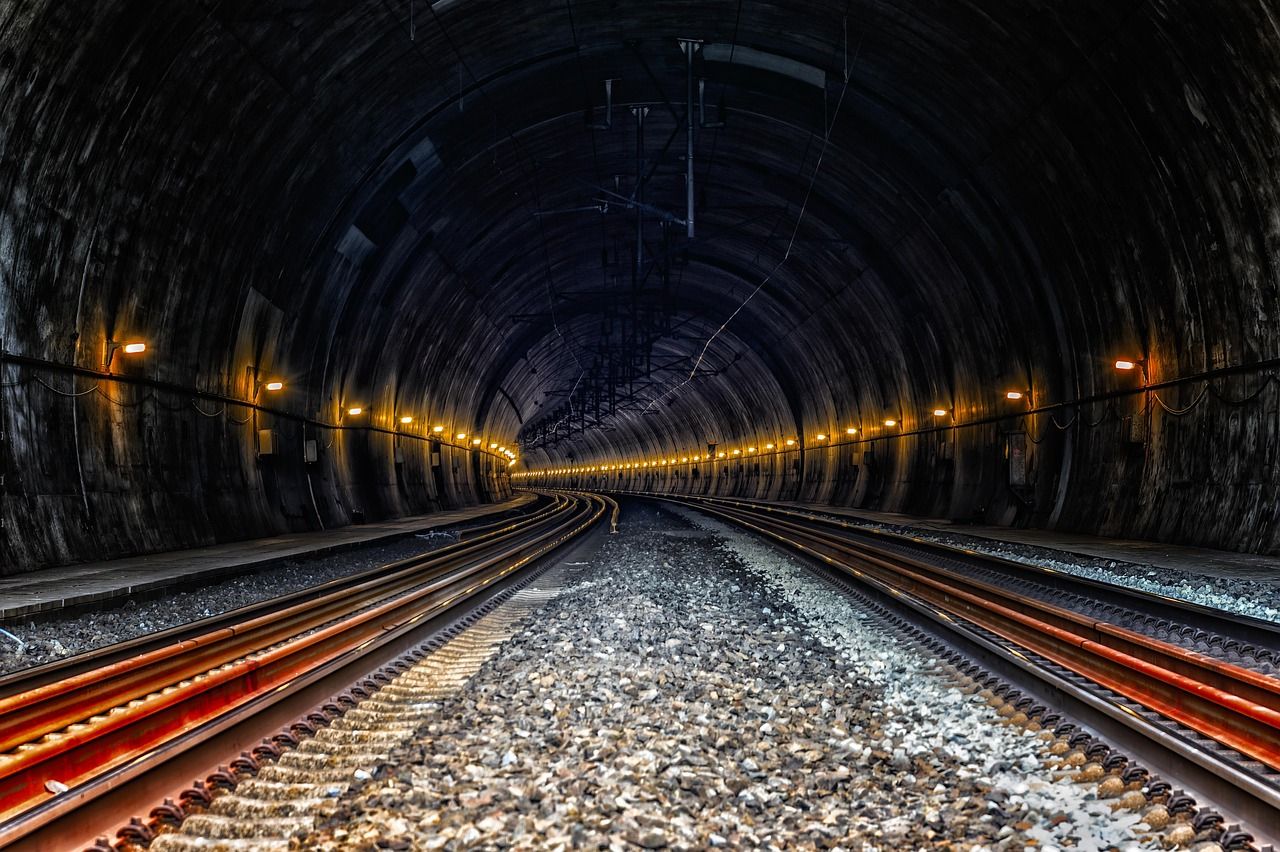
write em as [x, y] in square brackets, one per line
[310, 451]
[266, 442]
[1016, 451]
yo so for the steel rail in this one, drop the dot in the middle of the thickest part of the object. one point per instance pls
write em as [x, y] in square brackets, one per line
[1231, 705]
[127, 715]
[1242, 628]
[60, 670]
[26, 714]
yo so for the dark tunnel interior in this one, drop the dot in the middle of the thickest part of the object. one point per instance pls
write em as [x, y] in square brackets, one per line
[470, 221]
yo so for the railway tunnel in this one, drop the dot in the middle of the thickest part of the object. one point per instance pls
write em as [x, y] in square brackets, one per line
[287, 271]
[896, 210]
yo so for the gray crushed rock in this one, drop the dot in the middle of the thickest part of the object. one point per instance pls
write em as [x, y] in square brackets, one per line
[691, 689]
[46, 641]
[1257, 598]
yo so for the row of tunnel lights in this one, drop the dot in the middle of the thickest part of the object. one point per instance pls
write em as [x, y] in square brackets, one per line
[1122, 364]
[723, 454]
[277, 385]
[406, 420]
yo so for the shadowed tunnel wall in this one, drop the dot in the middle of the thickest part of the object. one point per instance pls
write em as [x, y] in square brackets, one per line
[909, 206]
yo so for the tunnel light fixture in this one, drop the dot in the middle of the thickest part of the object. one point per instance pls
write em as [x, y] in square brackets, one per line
[1130, 364]
[437, 429]
[737, 452]
[134, 347]
[684, 460]
[940, 412]
[476, 441]
[406, 420]
[493, 446]
[461, 436]
[852, 430]
[355, 411]
[821, 436]
[768, 446]
[751, 449]
[1016, 395]
[890, 422]
[791, 442]
[720, 455]
[274, 385]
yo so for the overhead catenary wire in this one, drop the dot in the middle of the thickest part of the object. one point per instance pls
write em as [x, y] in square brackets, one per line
[530, 177]
[795, 230]
[804, 206]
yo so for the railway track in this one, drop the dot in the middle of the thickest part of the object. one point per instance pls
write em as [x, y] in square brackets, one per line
[1189, 712]
[113, 731]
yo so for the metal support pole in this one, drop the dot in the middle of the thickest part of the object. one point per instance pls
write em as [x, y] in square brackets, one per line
[689, 46]
[640, 113]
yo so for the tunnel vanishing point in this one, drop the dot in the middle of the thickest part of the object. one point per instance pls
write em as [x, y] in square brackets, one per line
[285, 265]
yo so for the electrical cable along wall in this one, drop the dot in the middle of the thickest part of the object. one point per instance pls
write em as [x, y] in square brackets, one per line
[211, 467]
[848, 466]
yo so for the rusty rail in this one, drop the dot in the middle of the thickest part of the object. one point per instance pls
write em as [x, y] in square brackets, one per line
[1232, 705]
[85, 728]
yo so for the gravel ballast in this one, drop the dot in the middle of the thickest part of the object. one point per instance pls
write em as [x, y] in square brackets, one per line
[692, 688]
[1254, 598]
[51, 639]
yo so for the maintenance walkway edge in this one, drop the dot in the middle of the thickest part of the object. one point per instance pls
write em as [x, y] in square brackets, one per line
[94, 583]
[1201, 561]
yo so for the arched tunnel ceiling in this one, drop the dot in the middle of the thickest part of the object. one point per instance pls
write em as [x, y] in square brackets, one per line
[908, 202]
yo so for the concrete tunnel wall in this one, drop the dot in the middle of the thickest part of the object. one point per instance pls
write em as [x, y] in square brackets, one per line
[1007, 198]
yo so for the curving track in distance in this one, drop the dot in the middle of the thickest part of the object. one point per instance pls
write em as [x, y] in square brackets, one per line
[1194, 715]
[105, 733]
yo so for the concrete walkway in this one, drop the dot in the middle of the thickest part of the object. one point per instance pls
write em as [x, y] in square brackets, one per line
[91, 582]
[1194, 560]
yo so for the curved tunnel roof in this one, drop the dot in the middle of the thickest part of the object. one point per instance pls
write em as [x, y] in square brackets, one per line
[428, 208]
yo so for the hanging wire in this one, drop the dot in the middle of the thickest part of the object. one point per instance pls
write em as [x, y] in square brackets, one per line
[135, 404]
[1179, 412]
[1266, 383]
[1107, 411]
[1053, 418]
[61, 392]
